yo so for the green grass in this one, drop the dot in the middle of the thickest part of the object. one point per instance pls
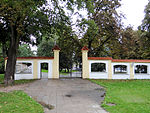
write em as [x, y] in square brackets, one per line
[18, 102]
[66, 73]
[61, 72]
[1, 78]
[129, 96]
[44, 70]
[17, 82]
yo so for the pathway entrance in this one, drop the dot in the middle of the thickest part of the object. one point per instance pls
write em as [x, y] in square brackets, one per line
[68, 95]
[70, 67]
[75, 73]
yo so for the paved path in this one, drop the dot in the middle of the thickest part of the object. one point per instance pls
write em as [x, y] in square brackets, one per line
[44, 75]
[68, 95]
[73, 74]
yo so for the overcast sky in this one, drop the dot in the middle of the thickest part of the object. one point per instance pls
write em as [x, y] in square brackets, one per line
[134, 11]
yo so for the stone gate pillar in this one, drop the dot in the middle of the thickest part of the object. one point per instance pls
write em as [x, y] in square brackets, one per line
[55, 70]
[85, 63]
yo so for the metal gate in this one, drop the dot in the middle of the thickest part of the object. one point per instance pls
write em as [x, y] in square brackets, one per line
[73, 68]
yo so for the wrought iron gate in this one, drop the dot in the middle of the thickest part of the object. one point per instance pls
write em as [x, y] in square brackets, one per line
[73, 70]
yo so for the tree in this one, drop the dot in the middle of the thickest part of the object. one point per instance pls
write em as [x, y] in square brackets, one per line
[24, 51]
[145, 32]
[67, 45]
[21, 19]
[15, 16]
[128, 46]
[1, 61]
[108, 22]
[45, 48]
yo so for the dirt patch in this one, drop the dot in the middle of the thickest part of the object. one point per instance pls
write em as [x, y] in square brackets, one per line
[48, 106]
[68, 95]
[12, 88]
[100, 89]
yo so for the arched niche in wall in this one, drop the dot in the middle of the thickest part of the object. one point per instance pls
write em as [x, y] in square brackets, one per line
[141, 69]
[98, 67]
[120, 69]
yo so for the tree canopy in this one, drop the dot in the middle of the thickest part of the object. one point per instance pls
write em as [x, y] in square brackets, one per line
[50, 23]
[25, 51]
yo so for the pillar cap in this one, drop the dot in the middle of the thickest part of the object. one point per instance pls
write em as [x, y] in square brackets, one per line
[85, 48]
[56, 47]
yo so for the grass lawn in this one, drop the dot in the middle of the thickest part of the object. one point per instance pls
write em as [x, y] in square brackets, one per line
[1, 78]
[61, 72]
[44, 70]
[18, 102]
[129, 96]
[16, 81]
[66, 73]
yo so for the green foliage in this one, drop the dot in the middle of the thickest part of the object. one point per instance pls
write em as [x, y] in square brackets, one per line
[44, 70]
[17, 13]
[18, 101]
[146, 21]
[1, 78]
[144, 31]
[129, 96]
[128, 46]
[25, 51]
[67, 42]
[103, 25]
[2, 65]
[45, 48]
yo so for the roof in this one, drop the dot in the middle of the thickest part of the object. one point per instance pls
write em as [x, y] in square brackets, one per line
[33, 58]
[56, 47]
[99, 58]
[85, 48]
[118, 60]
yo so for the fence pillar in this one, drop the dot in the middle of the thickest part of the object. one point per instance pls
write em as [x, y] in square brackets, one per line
[131, 70]
[85, 63]
[109, 69]
[55, 69]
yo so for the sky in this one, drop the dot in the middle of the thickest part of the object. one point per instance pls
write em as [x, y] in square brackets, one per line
[133, 11]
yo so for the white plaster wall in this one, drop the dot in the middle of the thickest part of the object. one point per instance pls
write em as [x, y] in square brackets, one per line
[121, 76]
[98, 75]
[24, 76]
[142, 76]
[49, 67]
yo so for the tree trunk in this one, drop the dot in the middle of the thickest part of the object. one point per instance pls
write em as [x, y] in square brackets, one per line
[11, 61]
[4, 51]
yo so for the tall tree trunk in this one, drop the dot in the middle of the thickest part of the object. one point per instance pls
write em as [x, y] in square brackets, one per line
[4, 53]
[11, 61]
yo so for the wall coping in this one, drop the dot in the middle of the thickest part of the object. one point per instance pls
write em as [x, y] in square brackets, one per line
[85, 48]
[118, 60]
[32, 58]
[131, 60]
[56, 47]
[99, 58]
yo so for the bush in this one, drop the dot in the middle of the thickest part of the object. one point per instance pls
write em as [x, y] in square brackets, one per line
[2, 62]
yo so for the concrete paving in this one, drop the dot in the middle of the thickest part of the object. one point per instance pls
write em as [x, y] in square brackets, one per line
[68, 95]
[71, 75]
[44, 75]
